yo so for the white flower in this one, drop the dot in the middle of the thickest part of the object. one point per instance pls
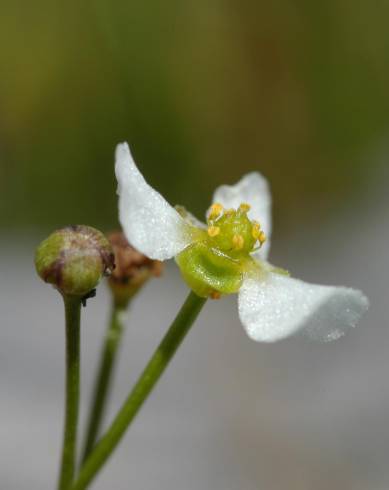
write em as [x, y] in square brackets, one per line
[230, 256]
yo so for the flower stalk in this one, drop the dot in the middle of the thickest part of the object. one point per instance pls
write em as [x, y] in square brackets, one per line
[148, 379]
[72, 390]
[132, 271]
[104, 378]
[73, 259]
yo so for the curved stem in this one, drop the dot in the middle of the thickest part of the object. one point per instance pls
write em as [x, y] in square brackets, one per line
[103, 380]
[153, 371]
[72, 317]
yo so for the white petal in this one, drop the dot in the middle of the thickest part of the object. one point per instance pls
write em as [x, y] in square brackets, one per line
[277, 306]
[150, 224]
[254, 190]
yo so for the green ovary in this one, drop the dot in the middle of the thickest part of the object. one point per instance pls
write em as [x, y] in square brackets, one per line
[207, 271]
[232, 226]
[219, 257]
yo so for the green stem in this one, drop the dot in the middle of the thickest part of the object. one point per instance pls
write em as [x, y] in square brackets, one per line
[103, 379]
[72, 317]
[153, 371]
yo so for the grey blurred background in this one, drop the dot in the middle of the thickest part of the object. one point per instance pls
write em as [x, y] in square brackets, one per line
[204, 92]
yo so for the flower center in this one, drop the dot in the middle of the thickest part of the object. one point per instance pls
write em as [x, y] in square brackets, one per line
[232, 232]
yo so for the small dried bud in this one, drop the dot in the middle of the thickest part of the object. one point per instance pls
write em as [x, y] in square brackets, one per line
[132, 270]
[73, 259]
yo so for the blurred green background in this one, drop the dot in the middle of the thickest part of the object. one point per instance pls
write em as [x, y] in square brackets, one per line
[203, 91]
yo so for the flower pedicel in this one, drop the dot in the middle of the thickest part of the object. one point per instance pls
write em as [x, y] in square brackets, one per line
[229, 255]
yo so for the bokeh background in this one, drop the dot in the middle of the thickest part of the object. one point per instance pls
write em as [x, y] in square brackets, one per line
[203, 92]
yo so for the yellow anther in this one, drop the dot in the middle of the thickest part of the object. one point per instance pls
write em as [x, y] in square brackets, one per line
[215, 211]
[238, 242]
[244, 207]
[256, 230]
[213, 231]
[229, 212]
[262, 237]
[215, 295]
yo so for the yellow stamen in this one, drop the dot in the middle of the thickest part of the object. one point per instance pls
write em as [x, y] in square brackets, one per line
[229, 212]
[256, 230]
[262, 237]
[215, 295]
[244, 207]
[213, 231]
[215, 211]
[238, 242]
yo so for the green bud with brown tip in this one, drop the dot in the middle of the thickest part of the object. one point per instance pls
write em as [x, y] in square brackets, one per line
[73, 259]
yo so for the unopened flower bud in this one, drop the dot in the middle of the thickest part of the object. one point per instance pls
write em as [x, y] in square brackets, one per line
[132, 270]
[73, 259]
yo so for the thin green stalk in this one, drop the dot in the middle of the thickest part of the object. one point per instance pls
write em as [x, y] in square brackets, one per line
[72, 317]
[103, 380]
[151, 374]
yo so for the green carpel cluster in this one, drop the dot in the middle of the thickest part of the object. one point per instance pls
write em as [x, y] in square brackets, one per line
[215, 263]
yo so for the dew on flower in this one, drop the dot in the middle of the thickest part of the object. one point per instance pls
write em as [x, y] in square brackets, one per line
[229, 254]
